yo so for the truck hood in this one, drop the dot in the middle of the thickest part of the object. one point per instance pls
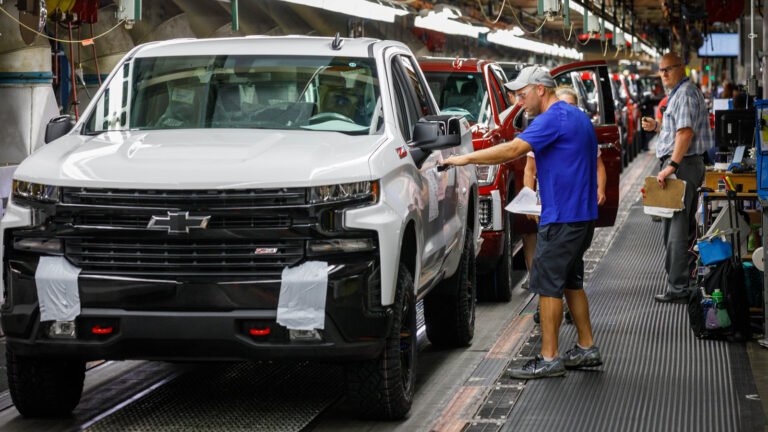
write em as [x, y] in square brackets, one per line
[202, 159]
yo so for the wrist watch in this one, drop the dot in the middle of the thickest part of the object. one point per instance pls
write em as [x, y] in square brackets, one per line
[674, 165]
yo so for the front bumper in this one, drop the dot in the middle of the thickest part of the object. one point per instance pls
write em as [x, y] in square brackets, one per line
[198, 319]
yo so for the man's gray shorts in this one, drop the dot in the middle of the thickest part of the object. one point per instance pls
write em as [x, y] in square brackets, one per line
[558, 263]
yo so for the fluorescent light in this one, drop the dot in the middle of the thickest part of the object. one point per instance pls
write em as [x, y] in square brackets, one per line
[444, 22]
[510, 39]
[359, 8]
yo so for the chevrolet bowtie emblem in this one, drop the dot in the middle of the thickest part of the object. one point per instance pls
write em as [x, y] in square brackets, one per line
[178, 222]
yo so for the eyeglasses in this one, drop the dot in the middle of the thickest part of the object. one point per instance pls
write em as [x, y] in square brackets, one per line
[522, 95]
[668, 69]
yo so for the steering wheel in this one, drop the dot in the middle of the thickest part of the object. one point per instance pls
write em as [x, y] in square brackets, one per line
[463, 111]
[328, 116]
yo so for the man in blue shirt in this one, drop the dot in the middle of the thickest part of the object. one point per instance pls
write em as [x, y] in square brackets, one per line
[564, 142]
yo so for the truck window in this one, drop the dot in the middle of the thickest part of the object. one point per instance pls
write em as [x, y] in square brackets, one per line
[334, 94]
[420, 90]
[460, 93]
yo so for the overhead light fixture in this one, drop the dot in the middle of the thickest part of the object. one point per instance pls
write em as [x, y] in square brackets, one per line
[360, 8]
[509, 39]
[444, 21]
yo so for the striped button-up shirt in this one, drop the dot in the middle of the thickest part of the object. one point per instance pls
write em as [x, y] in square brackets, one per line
[685, 109]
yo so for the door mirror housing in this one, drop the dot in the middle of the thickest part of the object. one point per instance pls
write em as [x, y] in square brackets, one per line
[437, 133]
[58, 127]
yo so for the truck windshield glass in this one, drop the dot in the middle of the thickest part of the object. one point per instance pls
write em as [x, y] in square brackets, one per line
[339, 94]
[459, 93]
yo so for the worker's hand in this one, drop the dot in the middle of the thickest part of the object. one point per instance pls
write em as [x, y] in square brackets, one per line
[455, 161]
[600, 197]
[533, 218]
[649, 124]
[663, 174]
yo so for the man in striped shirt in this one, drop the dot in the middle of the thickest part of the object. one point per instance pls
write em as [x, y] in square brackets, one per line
[684, 135]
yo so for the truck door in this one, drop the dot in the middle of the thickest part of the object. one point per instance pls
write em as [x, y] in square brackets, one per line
[411, 104]
[605, 128]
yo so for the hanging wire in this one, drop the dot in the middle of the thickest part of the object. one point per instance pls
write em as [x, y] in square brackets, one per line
[569, 34]
[605, 51]
[589, 39]
[501, 11]
[2, 9]
[514, 15]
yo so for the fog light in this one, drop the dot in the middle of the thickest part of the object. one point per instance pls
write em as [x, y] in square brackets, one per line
[62, 330]
[260, 331]
[305, 335]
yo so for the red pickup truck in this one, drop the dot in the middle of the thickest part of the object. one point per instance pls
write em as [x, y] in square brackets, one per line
[474, 88]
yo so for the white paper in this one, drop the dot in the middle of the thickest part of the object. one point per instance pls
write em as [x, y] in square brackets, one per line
[301, 305]
[57, 290]
[660, 211]
[525, 202]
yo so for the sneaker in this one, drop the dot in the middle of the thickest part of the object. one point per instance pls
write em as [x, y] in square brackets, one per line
[578, 357]
[539, 368]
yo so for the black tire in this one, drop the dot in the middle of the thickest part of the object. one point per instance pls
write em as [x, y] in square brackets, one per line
[383, 388]
[449, 310]
[497, 286]
[44, 387]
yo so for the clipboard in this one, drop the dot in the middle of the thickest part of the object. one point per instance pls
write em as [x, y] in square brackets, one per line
[663, 202]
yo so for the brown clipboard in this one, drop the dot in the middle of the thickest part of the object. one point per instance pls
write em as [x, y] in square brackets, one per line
[670, 197]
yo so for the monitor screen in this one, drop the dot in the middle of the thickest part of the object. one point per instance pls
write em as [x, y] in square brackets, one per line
[720, 45]
[734, 128]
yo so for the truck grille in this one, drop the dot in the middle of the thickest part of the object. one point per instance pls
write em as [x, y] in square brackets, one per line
[486, 214]
[183, 256]
[218, 221]
[186, 199]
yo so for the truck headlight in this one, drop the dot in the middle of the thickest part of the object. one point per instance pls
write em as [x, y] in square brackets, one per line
[340, 245]
[366, 190]
[23, 191]
[486, 174]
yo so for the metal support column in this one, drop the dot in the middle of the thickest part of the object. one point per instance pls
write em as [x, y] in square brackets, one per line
[764, 202]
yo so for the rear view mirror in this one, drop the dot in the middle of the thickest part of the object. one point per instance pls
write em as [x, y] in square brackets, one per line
[58, 127]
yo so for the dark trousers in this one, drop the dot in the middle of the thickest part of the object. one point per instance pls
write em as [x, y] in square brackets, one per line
[680, 230]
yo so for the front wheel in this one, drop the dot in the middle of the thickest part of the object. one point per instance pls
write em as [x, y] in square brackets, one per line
[44, 387]
[383, 388]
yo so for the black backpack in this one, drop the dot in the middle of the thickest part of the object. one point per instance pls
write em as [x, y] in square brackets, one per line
[728, 276]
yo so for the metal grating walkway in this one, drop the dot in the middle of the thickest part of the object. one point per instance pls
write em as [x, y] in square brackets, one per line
[231, 397]
[657, 375]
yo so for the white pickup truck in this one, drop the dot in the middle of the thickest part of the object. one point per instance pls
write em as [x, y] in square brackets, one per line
[245, 198]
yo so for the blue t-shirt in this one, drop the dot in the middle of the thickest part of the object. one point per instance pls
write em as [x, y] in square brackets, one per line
[565, 145]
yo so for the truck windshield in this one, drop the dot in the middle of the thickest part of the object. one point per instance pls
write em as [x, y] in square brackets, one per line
[339, 94]
[459, 93]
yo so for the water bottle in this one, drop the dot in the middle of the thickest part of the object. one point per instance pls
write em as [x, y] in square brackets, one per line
[722, 313]
[710, 315]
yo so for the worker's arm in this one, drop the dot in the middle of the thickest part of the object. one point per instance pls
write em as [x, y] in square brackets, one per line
[529, 175]
[492, 156]
[601, 179]
[683, 139]
[529, 180]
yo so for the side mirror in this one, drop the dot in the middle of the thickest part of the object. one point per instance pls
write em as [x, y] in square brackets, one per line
[437, 133]
[58, 127]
